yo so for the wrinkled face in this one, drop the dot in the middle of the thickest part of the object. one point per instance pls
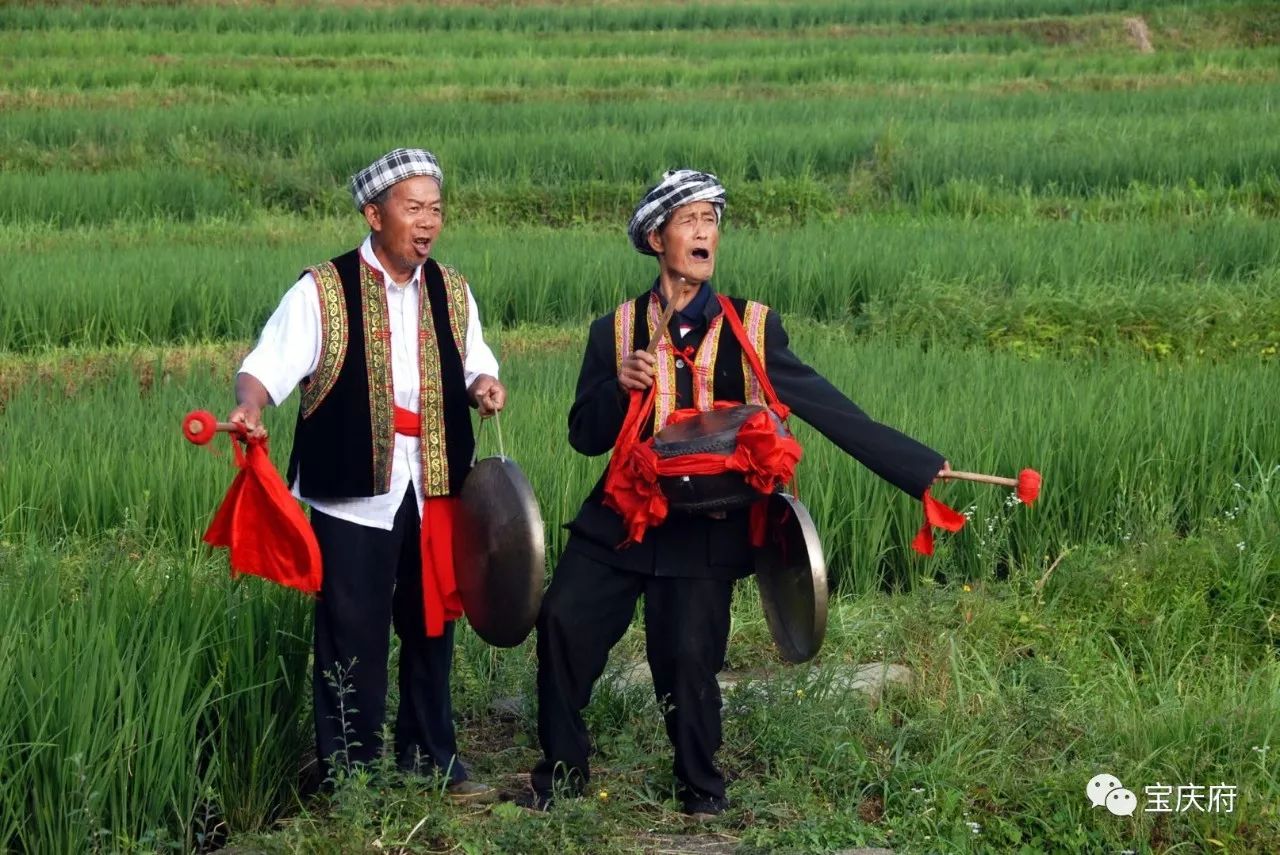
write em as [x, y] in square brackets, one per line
[407, 223]
[686, 243]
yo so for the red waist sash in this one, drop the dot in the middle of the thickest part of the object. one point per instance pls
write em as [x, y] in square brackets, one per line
[440, 599]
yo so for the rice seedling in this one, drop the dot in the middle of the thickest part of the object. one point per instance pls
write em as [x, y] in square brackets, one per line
[1043, 287]
[663, 16]
[151, 702]
[1092, 146]
[1124, 445]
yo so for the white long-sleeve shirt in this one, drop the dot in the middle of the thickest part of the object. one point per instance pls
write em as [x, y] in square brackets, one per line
[289, 351]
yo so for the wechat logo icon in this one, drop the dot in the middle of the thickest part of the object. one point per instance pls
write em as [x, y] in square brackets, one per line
[1107, 791]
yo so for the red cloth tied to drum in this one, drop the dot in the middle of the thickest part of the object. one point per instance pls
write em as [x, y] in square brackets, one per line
[765, 457]
[441, 601]
[263, 528]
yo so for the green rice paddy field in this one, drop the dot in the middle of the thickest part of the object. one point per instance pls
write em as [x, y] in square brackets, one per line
[1029, 232]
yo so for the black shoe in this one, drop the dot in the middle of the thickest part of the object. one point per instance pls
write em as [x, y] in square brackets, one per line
[705, 810]
[472, 792]
[532, 800]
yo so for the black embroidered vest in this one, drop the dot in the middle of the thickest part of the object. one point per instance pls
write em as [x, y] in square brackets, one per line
[718, 371]
[344, 439]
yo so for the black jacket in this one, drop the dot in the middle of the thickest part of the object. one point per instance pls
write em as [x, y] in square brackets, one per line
[700, 546]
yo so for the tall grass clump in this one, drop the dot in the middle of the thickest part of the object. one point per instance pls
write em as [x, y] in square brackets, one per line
[151, 702]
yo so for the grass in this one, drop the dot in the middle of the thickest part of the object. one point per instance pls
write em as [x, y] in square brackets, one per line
[182, 163]
[1153, 659]
[120, 735]
[1062, 249]
[304, 18]
[1207, 288]
[1124, 446]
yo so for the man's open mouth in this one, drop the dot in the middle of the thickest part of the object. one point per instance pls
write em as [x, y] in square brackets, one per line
[701, 254]
[423, 245]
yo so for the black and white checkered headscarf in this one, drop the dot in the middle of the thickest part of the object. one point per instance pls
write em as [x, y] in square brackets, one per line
[677, 187]
[390, 169]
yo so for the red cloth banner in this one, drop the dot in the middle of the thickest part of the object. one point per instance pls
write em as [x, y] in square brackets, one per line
[262, 526]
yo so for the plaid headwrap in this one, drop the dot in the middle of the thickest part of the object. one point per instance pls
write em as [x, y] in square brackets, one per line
[677, 187]
[390, 169]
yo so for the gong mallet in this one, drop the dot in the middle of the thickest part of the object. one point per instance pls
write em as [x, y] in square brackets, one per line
[1027, 483]
[652, 349]
[200, 426]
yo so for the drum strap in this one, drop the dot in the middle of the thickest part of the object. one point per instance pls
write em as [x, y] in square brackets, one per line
[753, 358]
[765, 457]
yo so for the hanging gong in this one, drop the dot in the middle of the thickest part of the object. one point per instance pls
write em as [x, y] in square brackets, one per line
[791, 573]
[499, 554]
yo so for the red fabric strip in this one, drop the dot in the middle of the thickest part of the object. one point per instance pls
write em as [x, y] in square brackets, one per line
[259, 522]
[440, 599]
[939, 515]
[407, 422]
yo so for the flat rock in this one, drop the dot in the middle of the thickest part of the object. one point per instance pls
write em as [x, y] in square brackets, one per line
[871, 678]
[508, 709]
[686, 844]
[630, 675]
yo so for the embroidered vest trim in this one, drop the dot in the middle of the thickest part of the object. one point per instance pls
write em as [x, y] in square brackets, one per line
[433, 439]
[377, 362]
[335, 335]
[753, 323]
[703, 367]
[376, 325]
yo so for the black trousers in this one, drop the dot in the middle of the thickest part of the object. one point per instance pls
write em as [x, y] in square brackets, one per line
[372, 580]
[584, 613]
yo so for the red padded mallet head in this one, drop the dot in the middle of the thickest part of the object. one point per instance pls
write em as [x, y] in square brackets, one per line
[199, 426]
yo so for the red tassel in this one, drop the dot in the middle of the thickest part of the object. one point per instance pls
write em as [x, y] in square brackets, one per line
[935, 514]
[199, 426]
[1028, 486]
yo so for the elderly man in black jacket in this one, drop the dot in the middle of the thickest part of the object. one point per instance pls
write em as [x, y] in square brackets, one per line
[685, 567]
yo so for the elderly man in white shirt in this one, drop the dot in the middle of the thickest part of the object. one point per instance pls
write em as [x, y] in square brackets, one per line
[386, 346]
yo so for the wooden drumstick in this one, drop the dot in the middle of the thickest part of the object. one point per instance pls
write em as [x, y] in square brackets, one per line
[980, 478]
[1027, 483]
[652, 349]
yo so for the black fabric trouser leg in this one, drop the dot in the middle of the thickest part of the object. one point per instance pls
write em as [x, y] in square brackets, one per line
[686, 627]
[371, 575]
[584, 613]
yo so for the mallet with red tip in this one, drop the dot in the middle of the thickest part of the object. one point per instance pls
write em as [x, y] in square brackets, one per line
[1027, 483]
[199, 427]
